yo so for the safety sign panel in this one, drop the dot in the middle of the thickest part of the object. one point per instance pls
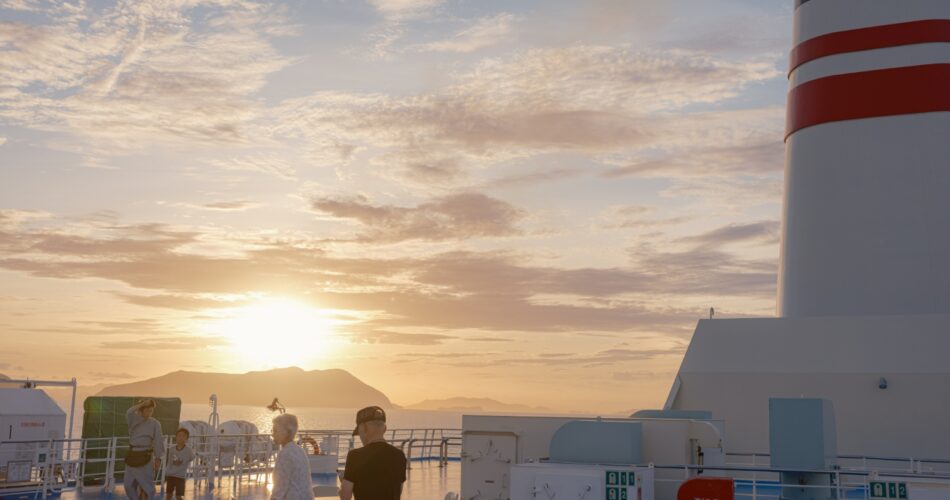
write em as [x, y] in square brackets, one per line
[617, 483]
[882, 489]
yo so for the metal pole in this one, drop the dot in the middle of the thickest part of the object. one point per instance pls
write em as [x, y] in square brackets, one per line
[72, 413]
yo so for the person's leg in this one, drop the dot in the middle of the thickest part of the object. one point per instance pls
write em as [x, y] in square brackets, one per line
[145, 477]
[169, 484]
[175, 487]
[128, 482]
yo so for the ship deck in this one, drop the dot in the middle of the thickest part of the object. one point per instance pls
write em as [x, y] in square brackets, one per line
[425, 481]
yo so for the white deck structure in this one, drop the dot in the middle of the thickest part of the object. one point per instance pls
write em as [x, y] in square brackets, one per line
[733, 367]
[864, 280]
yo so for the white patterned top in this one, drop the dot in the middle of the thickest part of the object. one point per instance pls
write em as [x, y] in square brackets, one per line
[292, 474]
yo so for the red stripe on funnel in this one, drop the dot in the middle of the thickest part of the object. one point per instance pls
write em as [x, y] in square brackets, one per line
[869, 94]
[877, 37]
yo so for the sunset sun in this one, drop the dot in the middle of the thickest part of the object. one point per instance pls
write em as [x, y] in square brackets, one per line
[277, 332]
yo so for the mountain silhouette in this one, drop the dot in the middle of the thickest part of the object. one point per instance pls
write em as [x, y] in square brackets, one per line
[294, 386]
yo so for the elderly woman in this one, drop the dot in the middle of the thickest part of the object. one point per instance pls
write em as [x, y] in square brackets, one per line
[146, 446]
[292, 469]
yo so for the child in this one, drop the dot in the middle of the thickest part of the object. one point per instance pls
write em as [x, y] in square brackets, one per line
[176, 469]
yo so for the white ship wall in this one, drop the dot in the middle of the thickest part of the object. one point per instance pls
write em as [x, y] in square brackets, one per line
[733, 367]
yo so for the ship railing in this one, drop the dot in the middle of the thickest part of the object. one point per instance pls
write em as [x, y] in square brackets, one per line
[765, 482]
[39, 467]
[883, 464]
[419, 445]
[239, 457]
[46, 467]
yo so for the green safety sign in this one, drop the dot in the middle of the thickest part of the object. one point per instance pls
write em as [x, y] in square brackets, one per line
[617, 493]
[881, 489]
[617, 483]
[620, 478]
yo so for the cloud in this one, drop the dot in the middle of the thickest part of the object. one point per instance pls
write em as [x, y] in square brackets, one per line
[445, 292]
[166, 343]
[534, 178]
[639, 217]
[582, 98]
[422, 167]
[458, 216]
[181, 302]
[405, 9]
[112, 375]
[487, 339]
[766, 232]
[485, 32]
[758, 157]
[265, 164]
[139, 326]
[399, 338]
[607, 357]
[702, 271]
[632, 376]
[126, 77]
[224, 206]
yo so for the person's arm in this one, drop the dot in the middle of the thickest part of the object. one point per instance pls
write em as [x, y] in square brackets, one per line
[132, 416]
[158, 444]
[349, 475]
[346, 490]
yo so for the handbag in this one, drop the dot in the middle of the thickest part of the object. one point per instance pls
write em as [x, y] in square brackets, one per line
[138, 458]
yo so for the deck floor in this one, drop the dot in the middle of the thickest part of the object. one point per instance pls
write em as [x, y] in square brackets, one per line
[425, 481]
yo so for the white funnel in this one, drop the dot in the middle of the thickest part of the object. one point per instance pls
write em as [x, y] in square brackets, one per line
[867, 187]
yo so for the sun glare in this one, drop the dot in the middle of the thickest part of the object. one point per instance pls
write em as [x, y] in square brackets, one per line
[278, 332]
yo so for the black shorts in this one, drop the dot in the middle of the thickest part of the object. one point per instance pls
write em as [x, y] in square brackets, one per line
[174, 486]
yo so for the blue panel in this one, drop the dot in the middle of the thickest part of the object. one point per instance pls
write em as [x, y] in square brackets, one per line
[802, 433]
[597, 442]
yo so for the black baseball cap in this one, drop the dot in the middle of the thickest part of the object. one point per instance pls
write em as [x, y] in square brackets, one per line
[368, 414]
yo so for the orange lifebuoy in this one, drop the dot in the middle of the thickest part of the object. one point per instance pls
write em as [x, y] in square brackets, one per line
[312, 442]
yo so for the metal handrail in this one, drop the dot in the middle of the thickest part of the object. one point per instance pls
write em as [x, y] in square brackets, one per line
[857, 457]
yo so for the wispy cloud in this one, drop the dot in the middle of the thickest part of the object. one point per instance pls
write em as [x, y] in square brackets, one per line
[484, 32]
[265, 164]
[459, 216]
[112, 375]
[405, 9]
[759, 232]
[133, 74]
[399, 338]
[617, 102]
[225, 206]
[166, 343]
[449, 291]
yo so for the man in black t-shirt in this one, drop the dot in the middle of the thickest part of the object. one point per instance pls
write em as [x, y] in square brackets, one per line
[377, 470]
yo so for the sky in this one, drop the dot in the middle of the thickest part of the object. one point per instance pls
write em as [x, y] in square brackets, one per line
[531, 201]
